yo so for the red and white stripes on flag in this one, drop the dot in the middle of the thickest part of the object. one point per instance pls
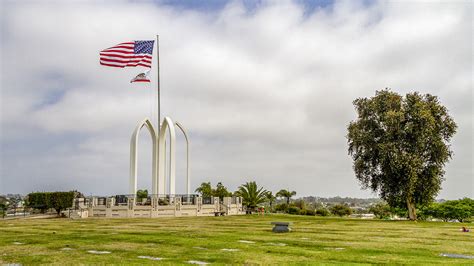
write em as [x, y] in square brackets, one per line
[128, 54]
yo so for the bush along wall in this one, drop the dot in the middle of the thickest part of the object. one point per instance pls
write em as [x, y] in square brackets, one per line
[44, 201]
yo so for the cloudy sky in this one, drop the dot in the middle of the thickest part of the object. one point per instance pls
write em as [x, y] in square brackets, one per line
[265, 89]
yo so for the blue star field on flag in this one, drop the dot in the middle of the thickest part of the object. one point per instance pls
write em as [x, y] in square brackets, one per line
[144, 47]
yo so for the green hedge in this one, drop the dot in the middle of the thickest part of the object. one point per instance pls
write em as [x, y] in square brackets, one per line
[46, 200]
[460, 210]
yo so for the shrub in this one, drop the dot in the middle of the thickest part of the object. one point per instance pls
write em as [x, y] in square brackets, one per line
[340, 210]
[47, 200]
[322, 212]
[381, 210]
[293, 210]
[309, 212]
[282, 207]
[398, 211]
[301, 204]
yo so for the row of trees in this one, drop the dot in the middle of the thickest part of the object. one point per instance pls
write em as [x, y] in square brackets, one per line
[206, 190]
[301, 207]
[460, 210]
[44, 201]
[254, 196]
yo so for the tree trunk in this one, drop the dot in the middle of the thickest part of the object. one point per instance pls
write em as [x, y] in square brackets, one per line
[411, 209]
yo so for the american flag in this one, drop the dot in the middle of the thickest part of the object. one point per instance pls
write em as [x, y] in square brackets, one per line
[128, 54]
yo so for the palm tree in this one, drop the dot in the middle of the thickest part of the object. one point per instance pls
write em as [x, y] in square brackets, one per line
[270, 198]
[251, 195]
[142, 194]
[283, 193]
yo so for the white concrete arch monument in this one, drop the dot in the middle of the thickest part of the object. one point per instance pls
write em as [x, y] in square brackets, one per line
[159, 177]
[134, 155]
[167, 124]
[188, 149]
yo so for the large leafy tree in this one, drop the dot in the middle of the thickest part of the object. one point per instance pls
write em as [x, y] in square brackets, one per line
[283, 193]
[251, 194]
[400, 145]
[221, 191]
[39, 200]
[61, 200]
[205, 189]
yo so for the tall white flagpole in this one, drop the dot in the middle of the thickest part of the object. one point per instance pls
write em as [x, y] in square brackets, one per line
[158, 79]
[158, 83]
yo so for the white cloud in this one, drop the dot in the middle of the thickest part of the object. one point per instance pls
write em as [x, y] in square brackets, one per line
[265, 95]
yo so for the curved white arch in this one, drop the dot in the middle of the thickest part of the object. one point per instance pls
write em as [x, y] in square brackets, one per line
[188, 173]
[134, 155]
[160, 185]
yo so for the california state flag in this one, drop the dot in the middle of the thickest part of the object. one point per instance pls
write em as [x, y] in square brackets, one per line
[142, 77]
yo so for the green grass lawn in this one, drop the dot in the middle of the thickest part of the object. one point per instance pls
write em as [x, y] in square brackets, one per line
[178, 240]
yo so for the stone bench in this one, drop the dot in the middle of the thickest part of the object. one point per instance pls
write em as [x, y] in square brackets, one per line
[281, 227]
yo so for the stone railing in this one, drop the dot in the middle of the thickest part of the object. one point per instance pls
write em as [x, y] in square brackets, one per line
[163, 205]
